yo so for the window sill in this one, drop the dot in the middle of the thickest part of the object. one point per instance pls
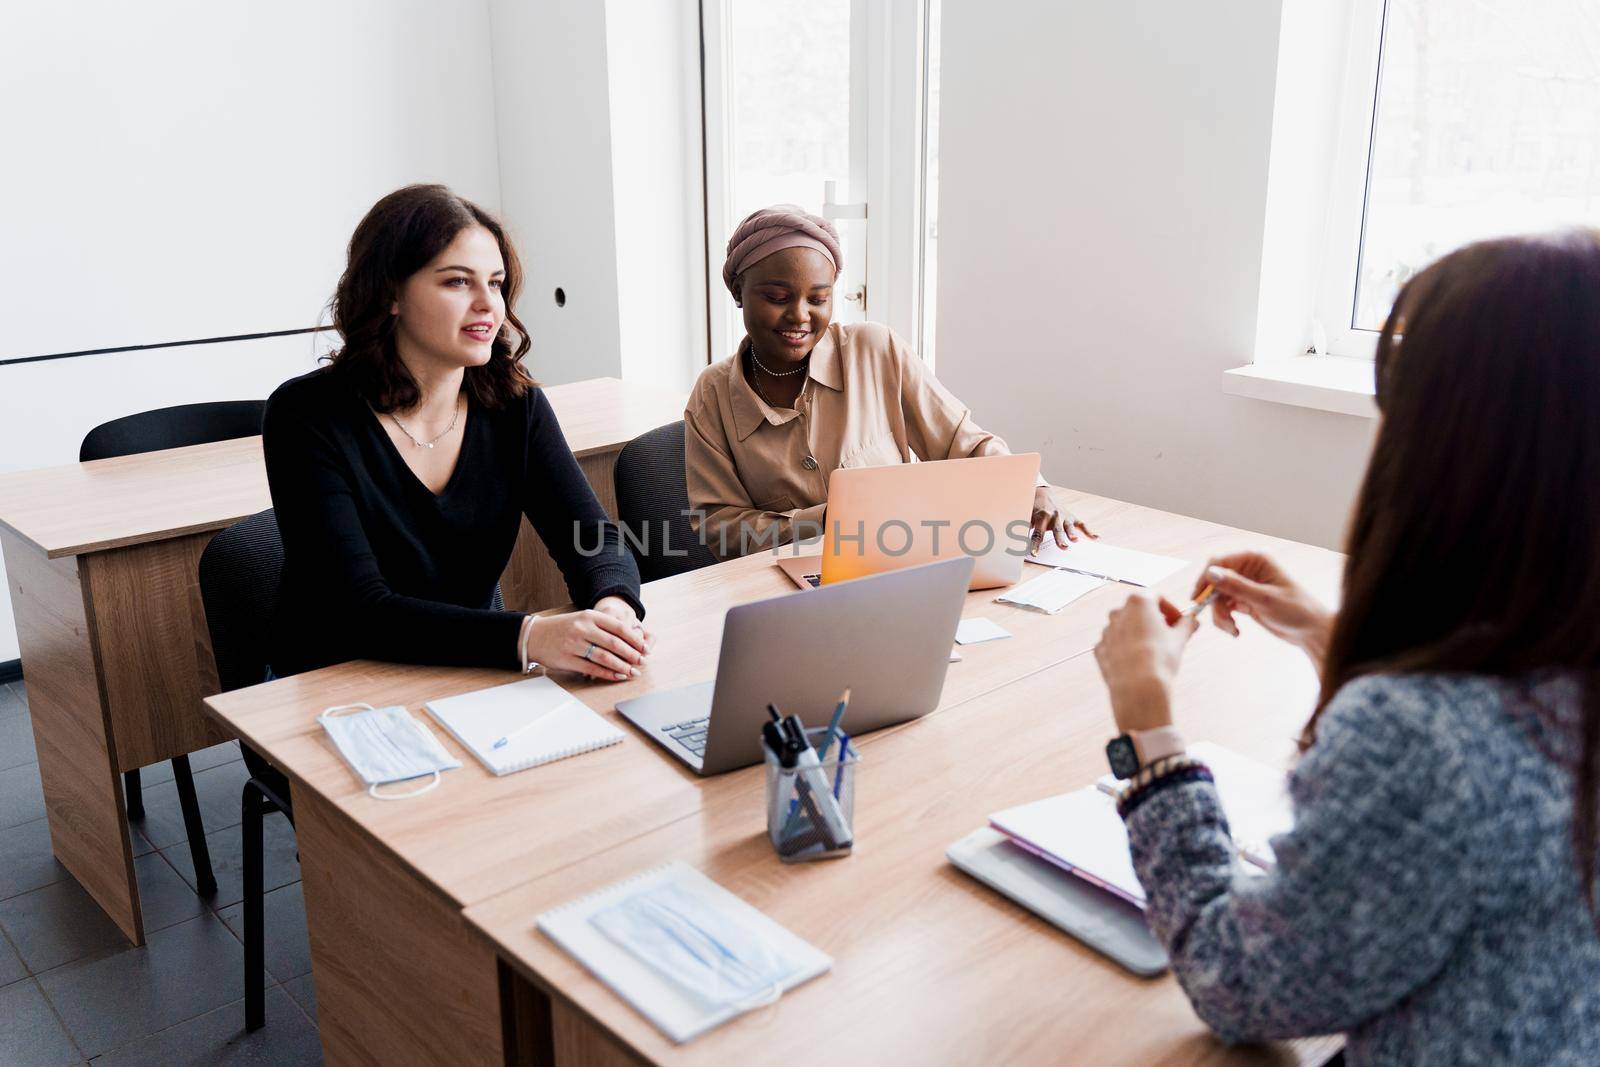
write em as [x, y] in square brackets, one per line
[1327, 383]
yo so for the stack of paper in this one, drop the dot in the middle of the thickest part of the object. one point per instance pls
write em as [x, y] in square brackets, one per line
[1050, 593]
[1107, 561]
[1255, 796]
[1081, 832]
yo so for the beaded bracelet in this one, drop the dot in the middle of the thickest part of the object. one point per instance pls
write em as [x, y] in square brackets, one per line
[1163, 773]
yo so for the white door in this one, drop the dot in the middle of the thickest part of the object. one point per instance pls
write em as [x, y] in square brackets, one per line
[821, 105]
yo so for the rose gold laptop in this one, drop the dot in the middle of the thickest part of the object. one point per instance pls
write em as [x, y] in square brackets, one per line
[885, 518]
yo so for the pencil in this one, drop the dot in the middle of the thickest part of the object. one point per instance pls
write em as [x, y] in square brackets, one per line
[833, 724]
[1199, 604]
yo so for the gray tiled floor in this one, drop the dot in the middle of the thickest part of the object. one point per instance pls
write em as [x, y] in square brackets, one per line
[72, 990]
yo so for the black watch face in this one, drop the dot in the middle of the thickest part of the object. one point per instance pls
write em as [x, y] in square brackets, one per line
[1124, 760]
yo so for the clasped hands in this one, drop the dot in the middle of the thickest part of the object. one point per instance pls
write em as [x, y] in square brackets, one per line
[607, 642]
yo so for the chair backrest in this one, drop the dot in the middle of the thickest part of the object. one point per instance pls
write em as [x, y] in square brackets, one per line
[239, 573]
[174, 427]
[653, 504]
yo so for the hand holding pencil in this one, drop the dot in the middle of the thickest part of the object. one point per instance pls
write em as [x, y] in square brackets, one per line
[1252, 584]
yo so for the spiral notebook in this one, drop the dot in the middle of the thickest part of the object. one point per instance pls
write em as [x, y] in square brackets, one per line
[674, 1011]
[558, 725]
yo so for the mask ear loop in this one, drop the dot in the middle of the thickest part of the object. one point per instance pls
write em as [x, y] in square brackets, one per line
[372, 790]
[766, 998]
[333, 712]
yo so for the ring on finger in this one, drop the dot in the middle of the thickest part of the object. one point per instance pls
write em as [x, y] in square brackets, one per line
[589, 652]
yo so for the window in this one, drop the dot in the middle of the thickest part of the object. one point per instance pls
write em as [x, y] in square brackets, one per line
[824, 106]
[1482, 118]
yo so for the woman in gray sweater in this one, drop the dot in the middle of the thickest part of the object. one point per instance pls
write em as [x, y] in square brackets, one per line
[1435, 900]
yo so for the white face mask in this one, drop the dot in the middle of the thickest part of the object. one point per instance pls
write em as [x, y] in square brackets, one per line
[386, 745]
[707, 953]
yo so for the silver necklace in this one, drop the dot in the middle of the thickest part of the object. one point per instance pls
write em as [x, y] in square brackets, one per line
[762, 393]
[799, 400]
[778, 374]
[436, 440]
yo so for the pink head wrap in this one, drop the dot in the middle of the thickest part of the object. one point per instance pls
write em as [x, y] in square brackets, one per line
[772, 229]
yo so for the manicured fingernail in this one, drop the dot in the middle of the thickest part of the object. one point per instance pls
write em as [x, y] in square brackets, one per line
[1214, 573]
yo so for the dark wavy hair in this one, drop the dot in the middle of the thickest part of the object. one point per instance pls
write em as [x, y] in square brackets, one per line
[1475, 545]
[399, 236]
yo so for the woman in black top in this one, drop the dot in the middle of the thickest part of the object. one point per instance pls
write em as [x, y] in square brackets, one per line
[400, 472]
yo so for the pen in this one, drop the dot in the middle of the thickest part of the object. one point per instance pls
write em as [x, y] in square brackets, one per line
[833, 725]
[1207, 594]
[838, 772]
[519, 731]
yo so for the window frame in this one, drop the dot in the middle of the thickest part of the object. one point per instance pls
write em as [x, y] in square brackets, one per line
[1333, 332]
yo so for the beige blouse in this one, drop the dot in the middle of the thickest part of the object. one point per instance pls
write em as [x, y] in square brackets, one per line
[870, 402]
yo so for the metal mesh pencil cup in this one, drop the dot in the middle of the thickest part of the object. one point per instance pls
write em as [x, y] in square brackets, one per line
[811, 810]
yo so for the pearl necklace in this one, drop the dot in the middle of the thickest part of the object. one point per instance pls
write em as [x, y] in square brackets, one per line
[778, 374]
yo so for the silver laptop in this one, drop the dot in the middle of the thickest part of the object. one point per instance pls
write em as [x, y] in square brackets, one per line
[886, 637]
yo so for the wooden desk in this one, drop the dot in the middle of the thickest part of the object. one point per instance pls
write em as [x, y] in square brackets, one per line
[929, 965]
[371, 868]
[101, 559]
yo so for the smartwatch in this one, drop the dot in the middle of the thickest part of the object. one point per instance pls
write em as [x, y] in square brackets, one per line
[1137, 749]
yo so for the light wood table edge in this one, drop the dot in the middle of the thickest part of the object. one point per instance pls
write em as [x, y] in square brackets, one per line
[171, 533]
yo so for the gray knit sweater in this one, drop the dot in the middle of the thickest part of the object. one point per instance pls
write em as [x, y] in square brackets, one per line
[1426, 901]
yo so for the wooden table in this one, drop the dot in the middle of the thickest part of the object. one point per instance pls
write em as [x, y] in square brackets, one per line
[101, 559]
[499, 847]
[929, 965]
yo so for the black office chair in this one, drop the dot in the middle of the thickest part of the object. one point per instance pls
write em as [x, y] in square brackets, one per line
[174, 427]
[152, 431]
[653, 505]
[240, 571]
[239, 574]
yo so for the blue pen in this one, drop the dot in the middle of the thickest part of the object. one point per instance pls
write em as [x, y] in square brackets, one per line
[825, 743]
[524, 728]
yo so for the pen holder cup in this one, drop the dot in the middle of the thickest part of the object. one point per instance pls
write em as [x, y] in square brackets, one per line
[811, 810]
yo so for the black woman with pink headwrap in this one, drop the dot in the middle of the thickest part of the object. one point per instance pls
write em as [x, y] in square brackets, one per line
[803, 396]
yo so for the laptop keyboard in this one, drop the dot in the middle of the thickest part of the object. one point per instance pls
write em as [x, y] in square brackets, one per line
[691, 733]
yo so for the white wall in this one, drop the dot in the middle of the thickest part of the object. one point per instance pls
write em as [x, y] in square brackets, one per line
[182, 170]
[1103, 190]
[598, 128]
[554, 137]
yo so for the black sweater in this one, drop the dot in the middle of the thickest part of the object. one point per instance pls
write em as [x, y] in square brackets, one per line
[375, 566]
